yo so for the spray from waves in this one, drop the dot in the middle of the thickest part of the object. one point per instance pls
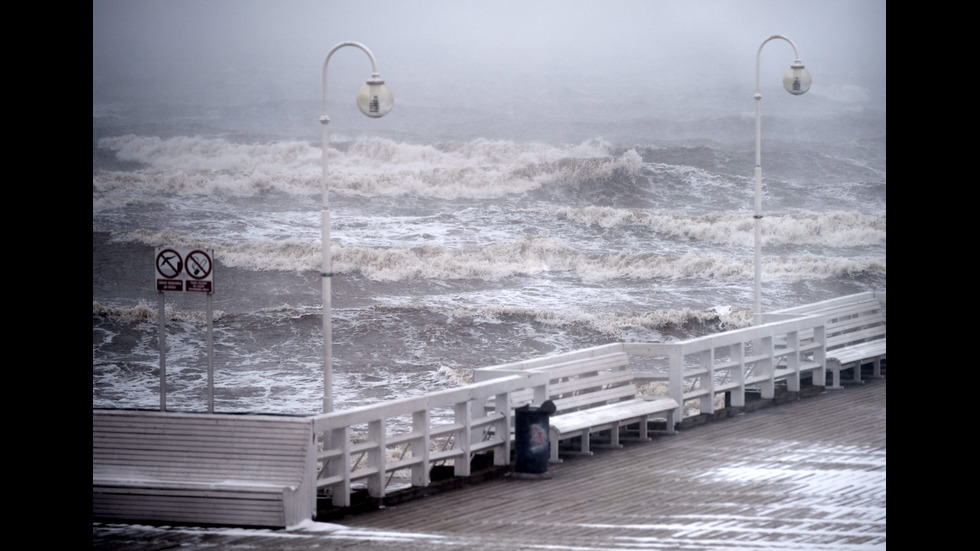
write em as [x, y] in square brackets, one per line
[120, 189]
[481, 169]
[837, 228]
[286, 254]
[204, 166]
[478, 169]
[540, 255]
[212, 154]
[613, 324]
[692, 178]
[606, 323]
[142, 312]
[500, 260]
[377, 152]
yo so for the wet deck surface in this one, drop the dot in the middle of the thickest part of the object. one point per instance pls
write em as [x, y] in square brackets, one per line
[807, 474]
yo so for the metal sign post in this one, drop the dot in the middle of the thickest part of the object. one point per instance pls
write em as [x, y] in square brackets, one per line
[190, 270]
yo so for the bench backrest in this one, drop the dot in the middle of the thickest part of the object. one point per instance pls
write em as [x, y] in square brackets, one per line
[855, 323]
[163, 446]
[848, 320]
[590, 382]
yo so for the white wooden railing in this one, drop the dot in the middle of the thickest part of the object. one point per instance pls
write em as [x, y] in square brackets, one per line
[397, 442]
[389, 445]
[708, 369]
[700, 372]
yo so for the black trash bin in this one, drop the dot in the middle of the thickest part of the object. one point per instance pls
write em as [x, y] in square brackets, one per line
[531, 430]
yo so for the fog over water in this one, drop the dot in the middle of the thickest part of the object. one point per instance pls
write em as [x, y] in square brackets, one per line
[501, 69]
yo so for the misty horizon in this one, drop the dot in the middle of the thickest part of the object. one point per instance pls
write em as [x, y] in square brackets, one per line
[510, 65]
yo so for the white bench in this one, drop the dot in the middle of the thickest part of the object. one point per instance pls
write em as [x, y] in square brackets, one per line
[855, 337]
[238, 470]
[598, 394]
[854, 333]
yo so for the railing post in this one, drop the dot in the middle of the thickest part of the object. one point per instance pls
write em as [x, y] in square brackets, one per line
[738, 359]
[793, 361]
[464, 436]
[820, 355]
[706, 359]
[675, 382]
[377, 457]
[420, 425]
[502, 405]
[339, 466]
[767, 351]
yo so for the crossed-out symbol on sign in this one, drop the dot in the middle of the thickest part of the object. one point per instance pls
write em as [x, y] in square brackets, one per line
[198, 264]
[169, 263]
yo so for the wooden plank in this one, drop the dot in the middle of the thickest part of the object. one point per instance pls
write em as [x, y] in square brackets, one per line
[597, 395]
[586, 365]
[590, 382]
[855, 333]
[594, 399]
[662, 493]
[239, 470]
[634, 410]
[863, 351]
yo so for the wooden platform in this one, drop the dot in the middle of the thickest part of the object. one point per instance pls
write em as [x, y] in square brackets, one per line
[785, 474]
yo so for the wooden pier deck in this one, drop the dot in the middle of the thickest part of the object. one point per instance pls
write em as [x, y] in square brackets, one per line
[804, 473]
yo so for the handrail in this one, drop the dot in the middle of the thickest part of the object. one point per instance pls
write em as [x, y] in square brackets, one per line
[368, 445]
[410, 434]
[705, 369]
[485, 373]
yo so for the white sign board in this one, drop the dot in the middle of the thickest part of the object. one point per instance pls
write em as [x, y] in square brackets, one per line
[189, 270]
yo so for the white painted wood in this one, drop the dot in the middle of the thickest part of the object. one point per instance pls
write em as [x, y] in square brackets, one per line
[474, 429]
[597, 394]
[593, 388]
[202, 468]
[700, 370]
[487, 373]
[855, 330]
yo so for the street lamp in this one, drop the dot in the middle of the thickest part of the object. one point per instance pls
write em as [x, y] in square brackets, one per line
[374, 100]
[796, 81]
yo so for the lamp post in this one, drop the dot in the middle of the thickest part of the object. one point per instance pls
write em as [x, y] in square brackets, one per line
[796, 81]
[374, 100]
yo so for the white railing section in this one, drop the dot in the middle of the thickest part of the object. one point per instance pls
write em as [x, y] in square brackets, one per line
[541, 365]
[701, 371]
[409, 436]
[830, 304]
[392, 444]
[706, 369]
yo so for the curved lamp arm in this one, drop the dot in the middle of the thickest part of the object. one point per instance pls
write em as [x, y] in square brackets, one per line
[374, 99]
[796, 81]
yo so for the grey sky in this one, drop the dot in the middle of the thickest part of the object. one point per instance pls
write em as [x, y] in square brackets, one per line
[504, 55]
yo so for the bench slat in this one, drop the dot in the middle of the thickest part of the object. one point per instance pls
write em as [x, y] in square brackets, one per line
[594, 399]
[599, 394]
[855, 334]
[621, 411]
[211, 469]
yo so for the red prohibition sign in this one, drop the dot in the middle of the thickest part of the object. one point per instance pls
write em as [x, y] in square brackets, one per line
[169, 263]
[198, 264]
